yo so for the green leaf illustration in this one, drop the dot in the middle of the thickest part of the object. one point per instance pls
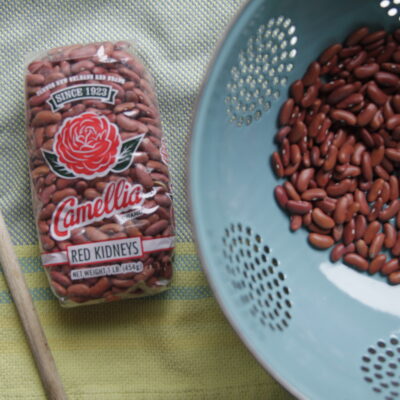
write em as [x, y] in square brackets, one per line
[55, 166]
[127, 152]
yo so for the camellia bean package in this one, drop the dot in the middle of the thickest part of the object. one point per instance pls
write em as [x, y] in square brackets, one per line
[100, 180]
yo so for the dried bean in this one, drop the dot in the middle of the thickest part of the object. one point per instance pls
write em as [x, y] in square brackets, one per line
[320, 241]
[355, 260]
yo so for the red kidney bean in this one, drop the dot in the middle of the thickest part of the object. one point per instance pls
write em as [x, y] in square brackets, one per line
[281, 196]
[376, 245]
[59, 289]
[338, 189]
[310, 96]
[341, 93]
[312, 74]
[298, 207]
[320, 241]
[329, 53]
[321, 219]
[396, 103]
[385, 195]
[366, 115]
[386, 79]
[276, 163]
[390, 267]
[351, 248]
[315, 126]
[322, 178]
[393, 154]
[337, 233]
[381, 172]
[282, 133]
[355, 37]
[297, 91]
[376, 94]
[286, 112]
[361, 199]
[295, 222]
[295, 154]
[390, 235]
[316, 229]
[387, 110]
[374, 37]
[375, 190]
[366, 137]
[349, 232]
[395, 250]
[337, 252]
[307, 220]
[394, 187]
[390, 211]
[356, 158]
[315, 156]
[291, 191]
[355, 260]
[343, 116]
[345, 153]
[313, 194]
[366, 71]
[366, 166]
[375, 210]
[340, 211]
[360, 226]
[394, 277]
[298, 132]
[371, 231]
[304, 179]
[349, 52]
[60, 278]
[377, 155]
[377, 263]
[351, 102]
[393, 121]
[356, 60]
[331, 158]
[332, 85]
[362, 248]
[327, 205]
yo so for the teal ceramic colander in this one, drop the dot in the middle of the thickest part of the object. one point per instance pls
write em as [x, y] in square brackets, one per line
[323, 330]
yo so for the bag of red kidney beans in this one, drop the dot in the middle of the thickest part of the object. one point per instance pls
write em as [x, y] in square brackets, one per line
[99, 174]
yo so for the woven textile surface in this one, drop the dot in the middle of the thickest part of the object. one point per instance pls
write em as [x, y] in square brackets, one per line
[174, 346]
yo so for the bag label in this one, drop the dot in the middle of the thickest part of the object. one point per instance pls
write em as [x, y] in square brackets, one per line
[118, 196]
[107, 270]
[104, 93]
[110, 250]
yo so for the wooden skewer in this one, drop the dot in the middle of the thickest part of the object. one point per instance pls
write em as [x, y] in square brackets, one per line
[29, 318]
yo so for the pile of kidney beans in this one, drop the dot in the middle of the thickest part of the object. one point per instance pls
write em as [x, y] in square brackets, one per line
[339, 152]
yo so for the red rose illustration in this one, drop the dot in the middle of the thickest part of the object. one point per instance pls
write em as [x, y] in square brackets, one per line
[88, 145]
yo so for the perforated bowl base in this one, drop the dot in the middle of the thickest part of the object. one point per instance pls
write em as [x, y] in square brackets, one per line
[261, 71]
[381, 367]
[257, 277]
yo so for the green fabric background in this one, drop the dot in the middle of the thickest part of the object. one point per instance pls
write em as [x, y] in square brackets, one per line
[174, 346]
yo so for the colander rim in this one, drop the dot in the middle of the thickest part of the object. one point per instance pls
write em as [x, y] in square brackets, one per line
[207, 269]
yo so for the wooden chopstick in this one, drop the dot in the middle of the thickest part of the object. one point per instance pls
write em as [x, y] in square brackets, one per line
[30, 321]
